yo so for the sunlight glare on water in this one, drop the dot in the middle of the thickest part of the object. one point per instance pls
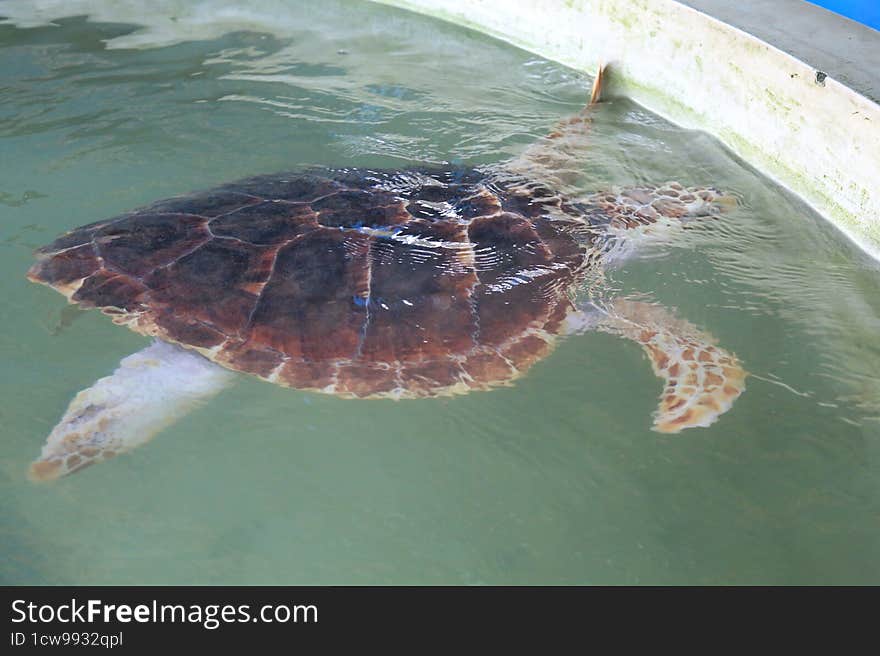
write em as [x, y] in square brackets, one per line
[558, 479]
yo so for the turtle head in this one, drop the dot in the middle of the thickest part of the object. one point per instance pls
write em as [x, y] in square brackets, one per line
[716, 201]
[692, 203]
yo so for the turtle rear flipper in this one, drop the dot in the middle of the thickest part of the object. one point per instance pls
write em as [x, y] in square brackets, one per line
[702, 380]
[150, 390]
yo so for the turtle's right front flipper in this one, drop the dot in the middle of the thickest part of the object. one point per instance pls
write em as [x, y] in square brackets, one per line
[702, 380]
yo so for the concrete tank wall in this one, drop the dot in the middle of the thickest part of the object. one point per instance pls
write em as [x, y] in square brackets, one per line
[800, 125]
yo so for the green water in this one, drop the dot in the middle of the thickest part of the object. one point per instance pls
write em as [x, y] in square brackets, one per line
[555, 480]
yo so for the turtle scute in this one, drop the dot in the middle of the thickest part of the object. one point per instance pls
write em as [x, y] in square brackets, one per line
[357, 282]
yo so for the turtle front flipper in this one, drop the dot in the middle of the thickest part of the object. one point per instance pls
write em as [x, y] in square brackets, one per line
[702, 380]
[558, 158]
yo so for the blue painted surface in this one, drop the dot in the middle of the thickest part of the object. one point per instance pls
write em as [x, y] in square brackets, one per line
[863, 11]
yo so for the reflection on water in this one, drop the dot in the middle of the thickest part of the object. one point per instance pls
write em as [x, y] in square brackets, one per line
[557, 479]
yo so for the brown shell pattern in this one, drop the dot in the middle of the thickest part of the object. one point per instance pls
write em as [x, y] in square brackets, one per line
[355, 282]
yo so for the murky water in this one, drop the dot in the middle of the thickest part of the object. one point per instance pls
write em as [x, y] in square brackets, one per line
[555, 480]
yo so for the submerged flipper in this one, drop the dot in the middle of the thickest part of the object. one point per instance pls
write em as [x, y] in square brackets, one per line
[701, 379]
[150, 390]
[557, 159]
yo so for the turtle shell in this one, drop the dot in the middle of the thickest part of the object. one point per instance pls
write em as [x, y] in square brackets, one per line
[355, 282]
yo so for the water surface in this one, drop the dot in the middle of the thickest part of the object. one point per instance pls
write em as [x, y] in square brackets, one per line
[555, 480]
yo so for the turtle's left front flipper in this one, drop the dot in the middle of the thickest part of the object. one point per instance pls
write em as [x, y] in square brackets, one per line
[557, 159]
[702, 380]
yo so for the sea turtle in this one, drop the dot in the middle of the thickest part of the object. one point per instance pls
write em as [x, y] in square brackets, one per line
[364, 283]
